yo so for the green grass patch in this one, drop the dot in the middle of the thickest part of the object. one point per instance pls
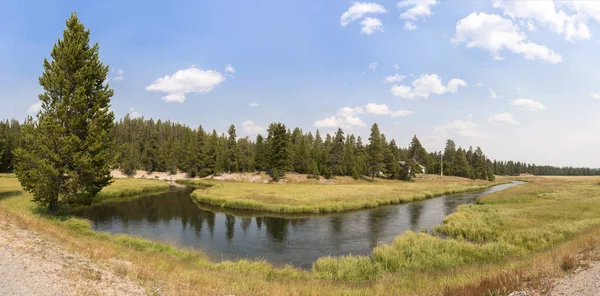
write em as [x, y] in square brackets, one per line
[320, 198]
[196, 184]
[130, 187]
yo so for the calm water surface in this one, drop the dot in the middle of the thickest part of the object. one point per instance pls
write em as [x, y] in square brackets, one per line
[174, 218]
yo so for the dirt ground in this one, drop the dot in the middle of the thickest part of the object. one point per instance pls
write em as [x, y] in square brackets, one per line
[32, 265]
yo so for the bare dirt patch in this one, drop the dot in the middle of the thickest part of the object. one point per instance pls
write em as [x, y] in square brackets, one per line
[33, 265]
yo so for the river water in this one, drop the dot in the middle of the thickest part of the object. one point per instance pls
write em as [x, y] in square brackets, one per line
[174, 218]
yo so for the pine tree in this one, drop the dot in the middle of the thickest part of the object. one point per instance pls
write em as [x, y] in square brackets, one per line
[278, 143]
[260, 154]
[66, 156]
[375, 152]
[336, 153]
[231, 149]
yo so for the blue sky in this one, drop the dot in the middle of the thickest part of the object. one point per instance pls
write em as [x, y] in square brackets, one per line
[517, 78]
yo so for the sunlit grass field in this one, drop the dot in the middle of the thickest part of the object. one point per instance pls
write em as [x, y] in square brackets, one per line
[510, 238]
[322, 198]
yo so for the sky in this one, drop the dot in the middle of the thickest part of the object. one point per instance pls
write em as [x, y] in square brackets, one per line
[517, 78]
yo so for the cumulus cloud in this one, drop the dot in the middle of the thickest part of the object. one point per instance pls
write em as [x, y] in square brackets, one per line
[595, 95]
[191, 80]
[358, 11]
[229, 69]
[371, 25]
[383, 109]
[347, 117]
[34, 108]
[425, 85]
[460, 127]
[547, 13]
[343, 119]
[528, 104]
[418, 8]
[503, 118]
[493, 94]
[409, 26]
[495, 34]
[133, 113]
[252, 128]
[394, 78]
[253, 105]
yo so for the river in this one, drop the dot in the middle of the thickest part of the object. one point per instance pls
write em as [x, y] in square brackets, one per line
[174, 218]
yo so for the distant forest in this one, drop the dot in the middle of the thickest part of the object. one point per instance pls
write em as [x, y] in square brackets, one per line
[151, 145]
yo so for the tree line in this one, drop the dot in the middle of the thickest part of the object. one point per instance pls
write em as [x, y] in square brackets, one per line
[146, 144]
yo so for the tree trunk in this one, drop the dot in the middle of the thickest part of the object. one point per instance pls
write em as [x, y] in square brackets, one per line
[53, 206]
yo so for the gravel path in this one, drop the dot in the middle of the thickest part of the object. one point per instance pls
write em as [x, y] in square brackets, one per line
[32, 265]
[585, 282]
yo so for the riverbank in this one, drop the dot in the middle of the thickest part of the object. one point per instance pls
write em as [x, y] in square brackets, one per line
[564, 210]
[302, 198]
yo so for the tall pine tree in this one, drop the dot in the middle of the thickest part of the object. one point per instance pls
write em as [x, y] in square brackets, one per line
[65, 157]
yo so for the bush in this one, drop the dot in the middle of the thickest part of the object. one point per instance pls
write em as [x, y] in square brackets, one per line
[275, 174]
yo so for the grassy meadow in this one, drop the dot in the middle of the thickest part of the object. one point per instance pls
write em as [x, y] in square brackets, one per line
[509, 239]
[325, 198]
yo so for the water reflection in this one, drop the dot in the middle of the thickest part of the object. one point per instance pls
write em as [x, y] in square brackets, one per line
[173, 218]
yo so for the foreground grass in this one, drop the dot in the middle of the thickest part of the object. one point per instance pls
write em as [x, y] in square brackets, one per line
[552, 218]
[319, 198]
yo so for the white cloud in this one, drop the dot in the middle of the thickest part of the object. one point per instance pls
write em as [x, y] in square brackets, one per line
[595, 95]
[396, 67]
[494, 33]
[493, 94]
[418, 9]
[116, 75]
[454, 84]
[383, 109]
[339, 121]
[371, 25]
[546, 13]
[360, 10]
[253, 105]
[598, 123]
[252, 128]
[373, 66]
[409, 26]
[528, 104]
[34, 108]
[347, 117]
[191, 80]
[460, 127]
[503, 118]
[425, 85]
[133, 113]
[394, 78]
[229, 69]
